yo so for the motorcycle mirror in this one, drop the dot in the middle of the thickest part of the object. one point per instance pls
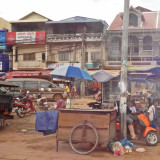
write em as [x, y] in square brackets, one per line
[42, 89]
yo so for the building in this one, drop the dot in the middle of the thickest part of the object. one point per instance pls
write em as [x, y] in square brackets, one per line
[144, 40]
[76, 41]
[5, 25]
[28, 38]
[143, 44]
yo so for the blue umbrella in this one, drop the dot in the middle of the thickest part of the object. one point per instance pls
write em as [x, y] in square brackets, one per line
[69, 73]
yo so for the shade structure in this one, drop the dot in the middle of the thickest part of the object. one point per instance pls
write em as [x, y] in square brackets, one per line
[102, 76]
[69, 73]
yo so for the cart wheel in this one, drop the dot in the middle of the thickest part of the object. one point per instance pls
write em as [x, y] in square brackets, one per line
[2, 121]
[83, 138]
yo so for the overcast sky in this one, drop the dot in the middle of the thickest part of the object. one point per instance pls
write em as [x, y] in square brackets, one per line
[62, 9]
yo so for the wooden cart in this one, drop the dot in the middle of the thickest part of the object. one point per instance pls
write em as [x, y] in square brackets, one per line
[84, 129]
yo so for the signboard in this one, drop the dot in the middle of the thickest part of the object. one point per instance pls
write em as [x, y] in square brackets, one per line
[55, 65]
[0, 66]
[38, 37]
[3, 40]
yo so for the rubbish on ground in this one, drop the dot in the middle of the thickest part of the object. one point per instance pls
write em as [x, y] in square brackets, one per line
[140, 150]
[120, 147]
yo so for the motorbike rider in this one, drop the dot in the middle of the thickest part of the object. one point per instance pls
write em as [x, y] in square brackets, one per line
[131, 118]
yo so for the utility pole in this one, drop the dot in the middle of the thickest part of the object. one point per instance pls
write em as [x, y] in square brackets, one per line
[83, 59]
[123, 80]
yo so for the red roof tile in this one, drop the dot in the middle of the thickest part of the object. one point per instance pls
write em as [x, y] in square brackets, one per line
[150, 22]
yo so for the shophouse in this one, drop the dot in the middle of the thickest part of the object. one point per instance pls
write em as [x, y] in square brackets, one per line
[28, 38]
[143, 46]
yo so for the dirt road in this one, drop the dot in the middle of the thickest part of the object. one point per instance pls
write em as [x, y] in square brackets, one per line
[20, 141]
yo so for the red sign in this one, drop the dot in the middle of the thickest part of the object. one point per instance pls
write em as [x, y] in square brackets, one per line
[38, 37]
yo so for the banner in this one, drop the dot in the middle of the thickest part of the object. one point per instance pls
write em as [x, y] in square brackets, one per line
[38, 37]
[3, 40]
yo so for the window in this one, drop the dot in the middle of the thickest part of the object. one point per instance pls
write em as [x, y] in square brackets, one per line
[16, 56]
[115, 46]
[95, 56]
[147, 43]
[133, 20]
[20, 84]
[30, 84]
[64, 56]
[43, 57]
[133, 45]
[29, 57]
[46, 85]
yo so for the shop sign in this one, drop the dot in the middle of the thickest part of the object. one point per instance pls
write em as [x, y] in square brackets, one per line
[38, 37]
[55, 65]
[0, 66]
[3, 40]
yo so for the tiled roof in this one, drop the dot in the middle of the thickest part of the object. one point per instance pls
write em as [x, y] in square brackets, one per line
[151, 21]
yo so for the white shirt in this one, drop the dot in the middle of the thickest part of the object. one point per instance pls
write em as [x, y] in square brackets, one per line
[151, 112]
[133, 109]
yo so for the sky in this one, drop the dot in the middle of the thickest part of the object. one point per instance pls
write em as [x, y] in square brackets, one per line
[62, 9]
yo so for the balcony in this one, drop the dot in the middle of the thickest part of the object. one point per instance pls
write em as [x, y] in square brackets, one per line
[30, 64]
[74, 37]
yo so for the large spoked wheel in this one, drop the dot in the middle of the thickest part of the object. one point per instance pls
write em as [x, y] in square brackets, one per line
[151, 138]
[83, 138]
[2, 121]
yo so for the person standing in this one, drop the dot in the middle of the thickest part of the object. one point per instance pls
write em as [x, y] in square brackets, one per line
[152, 114]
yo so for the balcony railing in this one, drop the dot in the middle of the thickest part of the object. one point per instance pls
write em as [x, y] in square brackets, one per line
[74, 37]
[30, 64]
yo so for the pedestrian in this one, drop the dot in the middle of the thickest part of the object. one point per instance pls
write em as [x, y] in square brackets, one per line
[67, 89]
[153, 115]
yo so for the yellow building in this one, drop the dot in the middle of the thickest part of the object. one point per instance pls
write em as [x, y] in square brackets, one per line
[4, 24]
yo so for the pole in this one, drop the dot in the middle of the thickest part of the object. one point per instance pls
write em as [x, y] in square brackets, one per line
[123, 80]
[83, 60]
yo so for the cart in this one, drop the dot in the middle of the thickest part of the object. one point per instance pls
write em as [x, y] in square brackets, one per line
[84, 129]
[5, 103]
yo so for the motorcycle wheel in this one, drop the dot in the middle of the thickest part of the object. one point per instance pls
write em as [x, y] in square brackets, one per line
[19, 112]
[151, 138]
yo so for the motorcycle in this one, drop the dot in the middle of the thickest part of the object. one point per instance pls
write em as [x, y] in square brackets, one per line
[23, 105]
[97, 104]
[42, 102]
[144, 131]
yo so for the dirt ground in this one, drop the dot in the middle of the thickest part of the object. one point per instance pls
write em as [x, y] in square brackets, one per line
[20, 141]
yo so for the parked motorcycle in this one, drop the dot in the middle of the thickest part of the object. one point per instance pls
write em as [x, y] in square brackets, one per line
[42, 102]
[23, 105]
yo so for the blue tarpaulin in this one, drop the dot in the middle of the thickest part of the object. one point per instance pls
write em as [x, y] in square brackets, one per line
[46, 121]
